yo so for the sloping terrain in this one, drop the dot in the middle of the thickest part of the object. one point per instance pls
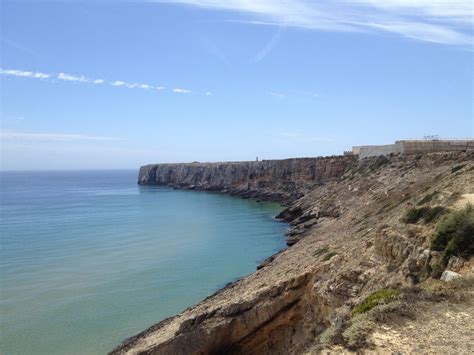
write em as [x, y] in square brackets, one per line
[350, 237]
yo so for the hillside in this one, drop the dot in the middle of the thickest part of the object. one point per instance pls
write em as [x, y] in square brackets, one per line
[364, 227]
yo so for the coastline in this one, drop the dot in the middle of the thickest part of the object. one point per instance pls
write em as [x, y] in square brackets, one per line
[298, 292]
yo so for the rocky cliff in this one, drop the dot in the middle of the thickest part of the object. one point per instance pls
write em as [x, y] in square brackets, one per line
[351, 238]
[278, 180]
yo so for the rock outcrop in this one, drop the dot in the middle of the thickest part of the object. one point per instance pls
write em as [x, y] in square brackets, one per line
[276, 180]
[348, 240]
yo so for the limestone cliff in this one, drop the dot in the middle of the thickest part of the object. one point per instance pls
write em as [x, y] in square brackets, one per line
[349, 240]
[278, 180]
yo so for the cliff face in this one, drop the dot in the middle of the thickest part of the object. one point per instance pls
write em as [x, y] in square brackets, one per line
[350, 240]
[278, 180]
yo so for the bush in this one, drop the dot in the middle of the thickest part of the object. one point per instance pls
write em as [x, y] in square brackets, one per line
[428, 214]
[428, 198]
[355, 336]
[321, 251]
[457, 167]
[455, 234]
[329, 255]
[379, 297]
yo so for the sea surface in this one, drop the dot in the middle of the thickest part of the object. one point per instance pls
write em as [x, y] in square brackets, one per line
[90, 258]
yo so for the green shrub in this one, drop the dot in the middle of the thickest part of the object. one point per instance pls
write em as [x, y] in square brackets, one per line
[321, 251]
[454, 234]
[355, 336]
[329, 255]
[434, 213]
[428, 214]
[327, 337]
[457, 167]
[379, 297]
[413, 215]
[427, 198]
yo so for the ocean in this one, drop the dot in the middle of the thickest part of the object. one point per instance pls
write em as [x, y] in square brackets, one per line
[90, 258]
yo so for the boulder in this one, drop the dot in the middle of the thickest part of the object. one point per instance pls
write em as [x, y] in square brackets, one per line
[455, 264]
[449, 276]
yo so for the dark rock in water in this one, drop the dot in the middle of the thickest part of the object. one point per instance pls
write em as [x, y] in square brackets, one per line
[289, 214]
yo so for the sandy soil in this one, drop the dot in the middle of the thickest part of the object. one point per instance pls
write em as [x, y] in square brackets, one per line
[464, 200]
[444, 328]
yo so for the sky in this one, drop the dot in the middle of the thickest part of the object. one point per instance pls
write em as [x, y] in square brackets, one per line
[116, 84]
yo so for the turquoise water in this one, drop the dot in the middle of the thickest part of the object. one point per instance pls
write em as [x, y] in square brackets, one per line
[90, 258]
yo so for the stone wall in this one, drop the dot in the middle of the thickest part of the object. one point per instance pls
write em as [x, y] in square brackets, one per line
[432, 146]
[376, 150]
[413, 147]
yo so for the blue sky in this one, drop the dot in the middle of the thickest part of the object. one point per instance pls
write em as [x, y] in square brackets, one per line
[116, 84]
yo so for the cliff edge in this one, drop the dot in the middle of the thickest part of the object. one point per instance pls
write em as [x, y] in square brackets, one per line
[362, 253]
[276, 180]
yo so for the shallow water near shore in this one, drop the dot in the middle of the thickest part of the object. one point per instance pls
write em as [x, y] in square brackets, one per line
[90, 258]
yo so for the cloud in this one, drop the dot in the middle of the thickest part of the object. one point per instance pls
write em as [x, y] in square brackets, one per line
[68, 77]
[181, 91]
[424, 32]
[79, 79]
[117, 83]
[34, 136]
[268, 47]
[25, 74]
[440, 21]
[208, 93]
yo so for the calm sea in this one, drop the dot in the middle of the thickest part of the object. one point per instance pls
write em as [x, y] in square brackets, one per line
[90, 258]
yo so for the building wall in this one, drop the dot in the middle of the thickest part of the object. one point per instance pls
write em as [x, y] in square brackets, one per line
[414, 147]
[366, 151]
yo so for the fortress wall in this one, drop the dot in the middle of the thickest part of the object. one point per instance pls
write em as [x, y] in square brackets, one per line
[376, 150]
[414, 147]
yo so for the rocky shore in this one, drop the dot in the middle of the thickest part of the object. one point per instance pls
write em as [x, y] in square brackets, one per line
[350, 237]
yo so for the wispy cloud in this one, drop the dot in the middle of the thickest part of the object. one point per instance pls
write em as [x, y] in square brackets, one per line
[25, 74]
[268, 47]
[35, 136]
[208, 93]
[81, 79]
[68, 77]
[440, 21]
[181, 91]
[117, 83]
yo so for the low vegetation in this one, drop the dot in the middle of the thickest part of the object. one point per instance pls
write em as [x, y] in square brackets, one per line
[321, 251]
[457, 168]
[454, 235]
[377, 298]
[428, 198]
[329, 255]
[380, 162]
[427, 214]
[389, 306]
